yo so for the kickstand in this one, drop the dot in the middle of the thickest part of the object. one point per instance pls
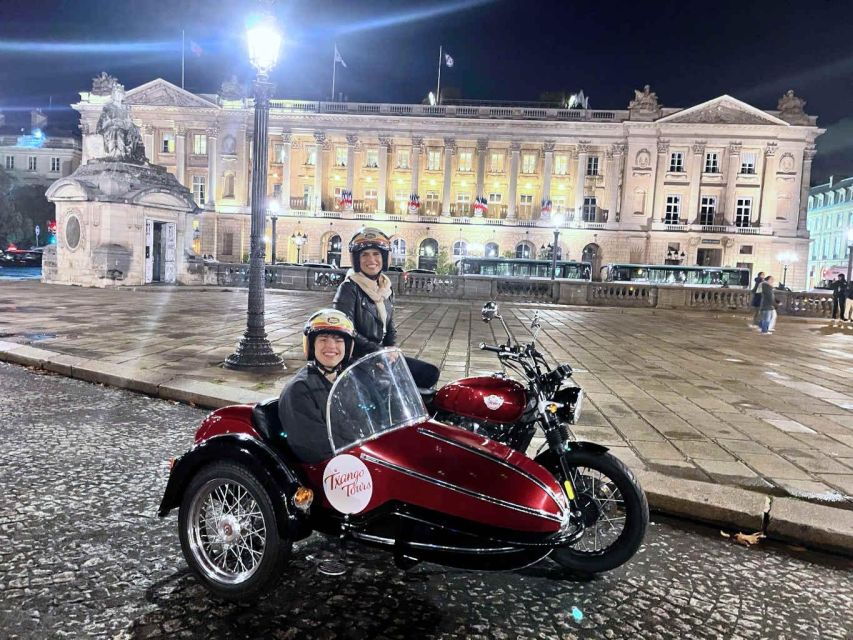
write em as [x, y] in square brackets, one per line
[336, 566]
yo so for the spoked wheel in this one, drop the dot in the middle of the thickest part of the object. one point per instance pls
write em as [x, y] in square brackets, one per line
[229, 535]
[614, 510]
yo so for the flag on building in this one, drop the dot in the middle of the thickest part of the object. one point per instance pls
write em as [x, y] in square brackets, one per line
[448, 60]
[338, 57]
[414, 203]
[546, 207]
[345, 201]
[480, 206]
[195, 49]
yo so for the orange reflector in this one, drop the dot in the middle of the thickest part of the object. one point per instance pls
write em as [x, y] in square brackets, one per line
[303, 497]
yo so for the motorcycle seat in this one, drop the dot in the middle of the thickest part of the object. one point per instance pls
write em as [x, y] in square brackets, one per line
[427, 395]
[266, 422]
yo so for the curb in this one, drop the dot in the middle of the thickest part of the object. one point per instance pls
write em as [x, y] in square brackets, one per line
[786, 519]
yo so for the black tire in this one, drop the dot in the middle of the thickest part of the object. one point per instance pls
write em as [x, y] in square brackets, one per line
[255, 526]
[579, 557]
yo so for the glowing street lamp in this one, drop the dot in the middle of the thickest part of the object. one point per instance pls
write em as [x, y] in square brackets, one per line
[254, 351]
[299, 239]
[558, 222]
[786, 258]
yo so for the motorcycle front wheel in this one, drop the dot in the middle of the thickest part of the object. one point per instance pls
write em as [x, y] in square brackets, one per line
[614, 510]
[228, 531]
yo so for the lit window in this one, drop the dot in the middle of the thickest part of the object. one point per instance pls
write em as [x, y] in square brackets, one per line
[494, 198]
[743, 212]
[55, 164]
[167, 143]
[465, 160]
[278, 153]
[528, 163]
[492, 250]
[561, 165]
[432, 202]
[311, 156]
[460, 249]
[672, 214]
[340, 156]
[398, 252]
[747, 163]
[712, 163]
[592, 166]
[434, 160]
[676, 162]
[463, 203]
[199, 189]
[496, 162]
[199, 144]
[523, 250]
[402, 158]
[371, 158]
[32, 163]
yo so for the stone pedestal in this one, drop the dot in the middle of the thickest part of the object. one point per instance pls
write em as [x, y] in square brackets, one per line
[121, 223]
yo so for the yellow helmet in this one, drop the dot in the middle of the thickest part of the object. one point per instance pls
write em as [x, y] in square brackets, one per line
[369, 238]
[328, 321]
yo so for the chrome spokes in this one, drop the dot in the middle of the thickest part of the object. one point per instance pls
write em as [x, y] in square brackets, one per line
[227, 531]
[603, 507]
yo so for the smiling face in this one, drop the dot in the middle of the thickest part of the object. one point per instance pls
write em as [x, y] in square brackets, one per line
[370, 262]
[329, 349]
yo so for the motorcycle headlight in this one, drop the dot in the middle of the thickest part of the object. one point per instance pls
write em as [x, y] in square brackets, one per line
[576, 412]
[571, 398]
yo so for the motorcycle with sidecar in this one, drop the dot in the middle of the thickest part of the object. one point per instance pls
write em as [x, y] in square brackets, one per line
[398, 480]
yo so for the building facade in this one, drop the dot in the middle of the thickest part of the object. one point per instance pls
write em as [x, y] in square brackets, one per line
[830, 219]
[38, 154]
[722, 183]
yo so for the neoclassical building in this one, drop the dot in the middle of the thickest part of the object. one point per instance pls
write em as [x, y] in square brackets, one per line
[830, 219]
[722, 182]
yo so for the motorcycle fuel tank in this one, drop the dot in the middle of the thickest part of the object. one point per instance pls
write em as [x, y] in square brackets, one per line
[488, 398]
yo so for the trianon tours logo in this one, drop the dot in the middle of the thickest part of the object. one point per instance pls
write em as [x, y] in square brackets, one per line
[347, 484]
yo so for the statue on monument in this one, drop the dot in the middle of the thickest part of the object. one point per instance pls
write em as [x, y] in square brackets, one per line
[231, 89]
[791, 108]
[122, 141]
[645, 100]
[102, 85]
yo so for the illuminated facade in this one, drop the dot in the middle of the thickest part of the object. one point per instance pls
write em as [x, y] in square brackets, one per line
[830, 220]
[722, 182]
[37, 154]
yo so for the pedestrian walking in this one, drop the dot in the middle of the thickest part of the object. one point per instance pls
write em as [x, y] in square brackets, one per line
[849, 306]
[839, 296]
[767, 321]
[756, 298]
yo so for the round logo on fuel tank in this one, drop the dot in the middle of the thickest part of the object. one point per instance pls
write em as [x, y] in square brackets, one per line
[347, 484]
[493, 402]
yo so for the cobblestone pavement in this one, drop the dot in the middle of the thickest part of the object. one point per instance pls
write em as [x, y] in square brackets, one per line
[82, 555]
[691, 395]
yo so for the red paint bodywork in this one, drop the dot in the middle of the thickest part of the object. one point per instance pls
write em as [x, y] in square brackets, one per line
[466, 397]
[232, 419]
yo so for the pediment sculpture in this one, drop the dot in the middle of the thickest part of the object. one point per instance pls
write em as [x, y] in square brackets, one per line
[231, 89]
[102, 85]
[791, 108]
[645, 105]
[122, 141]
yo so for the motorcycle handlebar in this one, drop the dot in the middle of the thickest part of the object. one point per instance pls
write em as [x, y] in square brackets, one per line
[492, 347]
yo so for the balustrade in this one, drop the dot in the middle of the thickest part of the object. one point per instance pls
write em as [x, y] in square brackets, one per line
[620, 294]
[729, 299]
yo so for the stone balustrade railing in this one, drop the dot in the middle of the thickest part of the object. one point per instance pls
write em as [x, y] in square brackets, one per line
[481, 288]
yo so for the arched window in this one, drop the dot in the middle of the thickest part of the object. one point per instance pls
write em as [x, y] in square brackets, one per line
[398, 252]
[592, 254]
[492, 250]
[524, 250]
[460, 249]
[428, 254]
[333, 251]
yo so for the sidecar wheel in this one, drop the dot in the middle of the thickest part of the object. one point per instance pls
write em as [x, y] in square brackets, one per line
[615, 511]
[229, 535]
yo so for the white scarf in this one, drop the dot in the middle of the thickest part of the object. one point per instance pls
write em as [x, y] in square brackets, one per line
[377, 290]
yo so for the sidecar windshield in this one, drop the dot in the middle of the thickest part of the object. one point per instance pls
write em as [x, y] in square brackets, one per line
[376, 394]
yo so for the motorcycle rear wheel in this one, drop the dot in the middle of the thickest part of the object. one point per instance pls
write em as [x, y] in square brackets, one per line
[616, 512]
[228, 532]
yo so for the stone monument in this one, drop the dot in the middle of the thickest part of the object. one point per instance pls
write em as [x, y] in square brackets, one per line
[645, 105]
[120, 220]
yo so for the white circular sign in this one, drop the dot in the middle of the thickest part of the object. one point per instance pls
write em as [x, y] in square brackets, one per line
[347, 484]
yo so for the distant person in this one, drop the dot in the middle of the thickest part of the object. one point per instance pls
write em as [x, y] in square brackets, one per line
[756, 298]
[767, 320]
[849, 309]
[839, 297]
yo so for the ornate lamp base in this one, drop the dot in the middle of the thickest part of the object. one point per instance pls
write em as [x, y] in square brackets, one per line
[254, 354]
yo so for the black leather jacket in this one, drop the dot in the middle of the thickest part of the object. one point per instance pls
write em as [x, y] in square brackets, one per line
[302, 411]
[362, 310]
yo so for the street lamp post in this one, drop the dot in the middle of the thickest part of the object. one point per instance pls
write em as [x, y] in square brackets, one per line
[274, 208]
[787, 258]
[849, 254]
[558, 220]
[254, 351]
[299, 239]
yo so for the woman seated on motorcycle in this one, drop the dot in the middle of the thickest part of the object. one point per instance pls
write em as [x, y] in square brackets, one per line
[366, 297]
[327, 343]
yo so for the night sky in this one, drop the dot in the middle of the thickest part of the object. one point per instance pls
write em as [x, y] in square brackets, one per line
[503, 50]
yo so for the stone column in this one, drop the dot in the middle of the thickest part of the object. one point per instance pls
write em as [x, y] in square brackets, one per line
[767, 203]
[382, 194]
[808, 156]
[482, 158]
[547, 169]
[212, 167]
[660, 178]
[148, 141]
[352, 140]
[286, 165]
[417, 148]
[696, 162]
[515, 150]
[181, 153]
[731, 182]
[449, 150]
[319, 145]
[583, 154]
[613, 169]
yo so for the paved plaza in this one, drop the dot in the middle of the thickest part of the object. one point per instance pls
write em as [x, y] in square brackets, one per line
[82, 555]
[696, 396]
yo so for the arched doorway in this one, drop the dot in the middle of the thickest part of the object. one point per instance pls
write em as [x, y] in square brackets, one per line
[398, 252]
[524, 250]
[592, 254]
[333, 251]
[428, 254]
[492, 250]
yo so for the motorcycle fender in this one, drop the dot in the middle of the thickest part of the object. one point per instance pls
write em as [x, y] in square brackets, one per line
[548, 460]
[268, 467]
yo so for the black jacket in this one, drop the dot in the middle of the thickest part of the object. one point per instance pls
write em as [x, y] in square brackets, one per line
[839, 289]
[302, 411]
[368, 326]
